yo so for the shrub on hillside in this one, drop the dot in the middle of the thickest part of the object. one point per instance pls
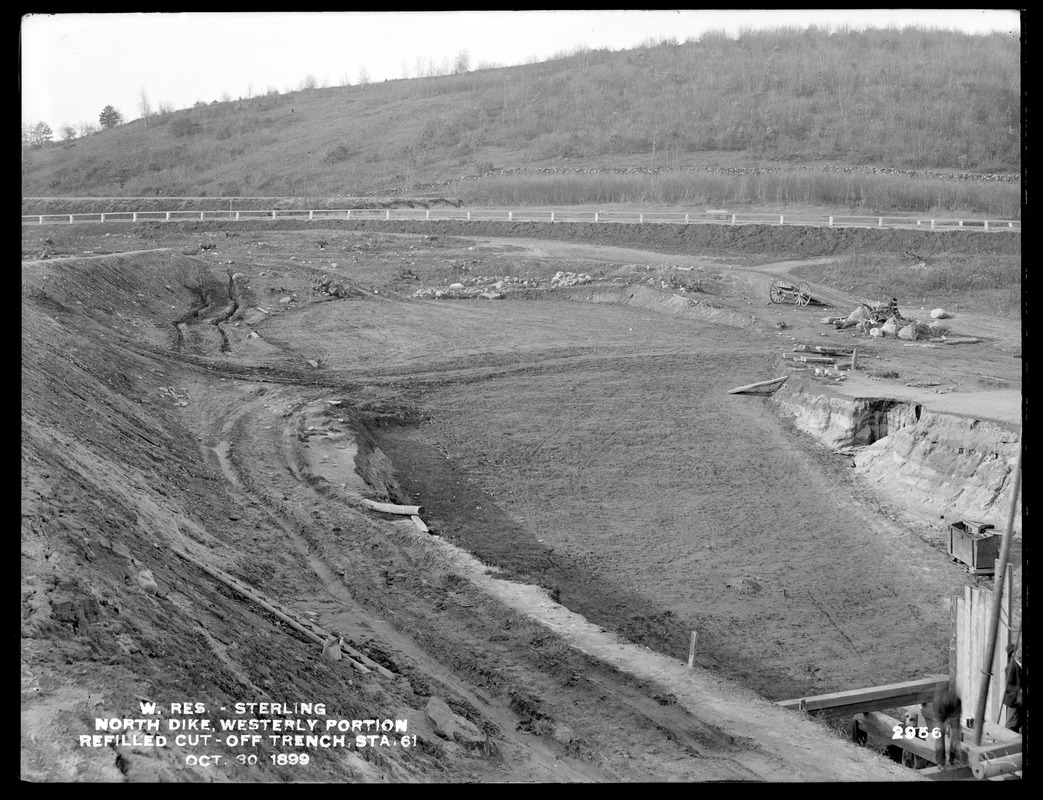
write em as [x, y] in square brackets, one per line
[338, 154]
[183, 126]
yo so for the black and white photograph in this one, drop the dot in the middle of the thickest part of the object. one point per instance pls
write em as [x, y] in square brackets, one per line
[523, 397]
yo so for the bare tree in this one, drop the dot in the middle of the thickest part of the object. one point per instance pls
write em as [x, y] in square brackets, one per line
[463, 62]
[67, 132]
[363, 77]
[144, 106]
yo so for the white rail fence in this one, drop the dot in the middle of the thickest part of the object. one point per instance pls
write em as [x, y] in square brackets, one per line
[566, 215]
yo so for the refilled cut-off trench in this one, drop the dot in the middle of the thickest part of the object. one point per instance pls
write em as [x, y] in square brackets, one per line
[623, 479]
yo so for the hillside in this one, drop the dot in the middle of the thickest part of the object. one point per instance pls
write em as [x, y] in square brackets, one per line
[870, 118]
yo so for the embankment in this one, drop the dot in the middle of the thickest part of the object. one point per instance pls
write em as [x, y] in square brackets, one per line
[938, 467]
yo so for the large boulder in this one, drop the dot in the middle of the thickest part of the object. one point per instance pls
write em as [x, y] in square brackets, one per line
[908, 332]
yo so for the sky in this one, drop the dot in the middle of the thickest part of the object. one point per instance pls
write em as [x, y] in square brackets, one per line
[73, 65]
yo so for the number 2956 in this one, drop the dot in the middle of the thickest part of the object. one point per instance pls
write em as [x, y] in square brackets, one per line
[916, 733]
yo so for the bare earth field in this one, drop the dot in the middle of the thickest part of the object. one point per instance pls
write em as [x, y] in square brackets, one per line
[593, 491]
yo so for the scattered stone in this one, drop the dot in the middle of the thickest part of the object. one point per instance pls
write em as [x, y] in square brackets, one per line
[331, 648]
[452, 726]
[286, 300]
[147, 581]
[940, 313]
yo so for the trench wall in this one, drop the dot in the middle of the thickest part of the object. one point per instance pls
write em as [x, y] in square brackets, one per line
[933, 465]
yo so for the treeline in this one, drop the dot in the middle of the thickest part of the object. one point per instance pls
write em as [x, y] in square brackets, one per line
[866, 192]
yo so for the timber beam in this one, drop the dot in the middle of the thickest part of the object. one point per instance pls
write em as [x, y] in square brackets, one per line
[874, 698]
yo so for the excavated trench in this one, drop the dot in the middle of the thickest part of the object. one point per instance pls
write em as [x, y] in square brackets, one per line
[935, 466]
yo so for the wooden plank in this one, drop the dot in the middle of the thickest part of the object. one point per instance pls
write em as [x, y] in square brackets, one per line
[761, 386]
[890, 695]
[963, 644]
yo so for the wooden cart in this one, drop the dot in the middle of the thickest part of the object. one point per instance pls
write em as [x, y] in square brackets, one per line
[780, 291]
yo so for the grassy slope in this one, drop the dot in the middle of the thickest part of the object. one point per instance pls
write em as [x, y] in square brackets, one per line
[909, 99]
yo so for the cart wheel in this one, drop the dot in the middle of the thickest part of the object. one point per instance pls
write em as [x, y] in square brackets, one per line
[803, 294]
[775, 293]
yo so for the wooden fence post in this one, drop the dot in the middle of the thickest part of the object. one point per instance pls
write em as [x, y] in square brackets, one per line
[733, 219]
[691, 650]
[168, 216]
[552, 216]
[135, 219]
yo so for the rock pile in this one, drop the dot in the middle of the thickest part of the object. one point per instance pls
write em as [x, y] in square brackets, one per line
[881, 320]
[482, 286]
[570, 279]
[330, 287]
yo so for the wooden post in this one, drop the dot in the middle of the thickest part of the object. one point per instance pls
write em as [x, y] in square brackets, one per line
[70, 218]
[986, 224]
[427, 215]
[552, 216]
[854, 359]
[135, 219]
[953, 628]
[685, 219]
[387, 214]
[41, 219]
[691, 650]
[733, 219]
[641, 218]
[831, 222]
[236, 216]
[468, 216]
[311, 215]
[102, 217]
[595, 216]
[881, 223]
[168, 216]
[201, 214]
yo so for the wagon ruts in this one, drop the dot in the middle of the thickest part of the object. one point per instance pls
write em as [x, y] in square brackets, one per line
[780, 291]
